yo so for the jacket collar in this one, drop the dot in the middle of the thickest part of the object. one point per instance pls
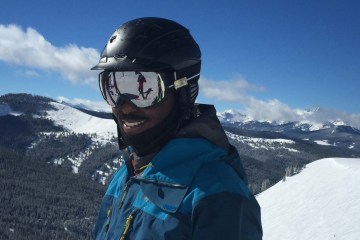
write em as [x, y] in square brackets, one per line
[205, 125]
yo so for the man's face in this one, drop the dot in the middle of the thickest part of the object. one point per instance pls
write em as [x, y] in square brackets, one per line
[135, 120]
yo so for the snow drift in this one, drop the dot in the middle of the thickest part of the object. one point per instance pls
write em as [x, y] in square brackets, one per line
[322, 202]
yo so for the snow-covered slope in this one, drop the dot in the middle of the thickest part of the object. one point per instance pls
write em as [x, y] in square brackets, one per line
[79, 122]
[322, 202]
[85, 104]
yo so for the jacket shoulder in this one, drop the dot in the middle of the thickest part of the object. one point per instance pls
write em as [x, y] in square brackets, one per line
[118, 178]
[215, 178]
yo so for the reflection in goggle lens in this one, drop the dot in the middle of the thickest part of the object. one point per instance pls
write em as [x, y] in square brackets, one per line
[143, 89]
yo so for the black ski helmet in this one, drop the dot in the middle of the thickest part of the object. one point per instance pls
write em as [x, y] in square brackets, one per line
[155, 44]
[163, 46]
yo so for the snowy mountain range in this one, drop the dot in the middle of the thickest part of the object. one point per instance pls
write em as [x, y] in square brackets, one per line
[308, 120]
[327, 133]
[267, 147]
[83, 140]
[312, 121]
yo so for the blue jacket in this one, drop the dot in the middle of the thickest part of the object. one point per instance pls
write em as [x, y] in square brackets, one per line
[192, 189]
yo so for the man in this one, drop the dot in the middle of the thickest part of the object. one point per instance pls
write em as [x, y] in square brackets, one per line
[181, 179]
[141, 81]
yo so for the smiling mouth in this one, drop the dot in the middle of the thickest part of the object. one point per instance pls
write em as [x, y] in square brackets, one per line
[132, 124]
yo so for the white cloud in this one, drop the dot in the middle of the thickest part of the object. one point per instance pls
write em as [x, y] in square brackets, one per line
[272, 110]
[29, 48]
[229, 91]
[28, 73]
[239, 91]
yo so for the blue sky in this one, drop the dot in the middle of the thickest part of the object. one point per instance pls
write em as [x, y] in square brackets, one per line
[266, 58]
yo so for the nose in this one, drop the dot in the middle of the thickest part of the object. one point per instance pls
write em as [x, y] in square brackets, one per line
[125, 107]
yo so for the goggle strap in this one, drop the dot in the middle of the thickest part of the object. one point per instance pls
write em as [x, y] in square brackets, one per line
[116, 87]
[178, 83]
[109, 97]
[101, 86]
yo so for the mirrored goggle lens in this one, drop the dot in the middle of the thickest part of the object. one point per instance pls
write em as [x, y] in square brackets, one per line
[144, 89]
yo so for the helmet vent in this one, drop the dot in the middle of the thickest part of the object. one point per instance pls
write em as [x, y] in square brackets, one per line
[113, 38]
[120, 57]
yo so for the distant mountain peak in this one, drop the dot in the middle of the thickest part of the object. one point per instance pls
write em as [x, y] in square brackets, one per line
[233, 116]
[338, 122]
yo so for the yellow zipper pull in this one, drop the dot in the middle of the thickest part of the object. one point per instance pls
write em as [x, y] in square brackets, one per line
[109, 211]
[127, 225]
[108, 221]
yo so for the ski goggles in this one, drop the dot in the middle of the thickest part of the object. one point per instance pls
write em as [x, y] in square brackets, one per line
[142, 89]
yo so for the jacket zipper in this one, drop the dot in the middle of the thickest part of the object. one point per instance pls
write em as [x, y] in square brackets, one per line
[129, 221]
[109, 211]
[127, 185]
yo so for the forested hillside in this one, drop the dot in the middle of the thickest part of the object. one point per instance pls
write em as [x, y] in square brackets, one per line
[39, 200]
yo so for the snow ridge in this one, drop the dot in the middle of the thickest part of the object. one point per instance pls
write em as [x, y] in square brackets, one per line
[76, 121]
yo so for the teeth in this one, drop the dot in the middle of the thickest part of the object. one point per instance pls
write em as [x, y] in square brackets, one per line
[132, 124]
